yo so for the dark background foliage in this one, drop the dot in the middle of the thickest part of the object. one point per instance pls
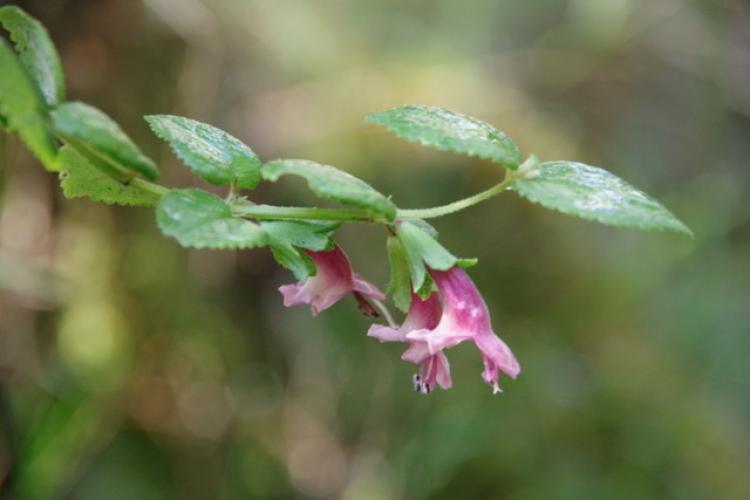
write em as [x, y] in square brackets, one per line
[133, 368]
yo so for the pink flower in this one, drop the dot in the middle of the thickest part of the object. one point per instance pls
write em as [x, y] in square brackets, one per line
[333, 280]
[433, 369]
[464, 317]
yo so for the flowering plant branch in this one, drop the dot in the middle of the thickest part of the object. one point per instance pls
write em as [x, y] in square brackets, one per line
[96, 159]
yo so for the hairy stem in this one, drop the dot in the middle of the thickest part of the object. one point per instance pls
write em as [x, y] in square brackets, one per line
[456, 206]
[385, 312]
[244, 208]
[271, 212]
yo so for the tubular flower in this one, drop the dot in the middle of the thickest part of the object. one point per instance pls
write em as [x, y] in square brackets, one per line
[433, 368]
[465, 317]
[333, 280]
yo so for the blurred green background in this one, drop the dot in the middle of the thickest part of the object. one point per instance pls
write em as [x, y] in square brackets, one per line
[134, 369]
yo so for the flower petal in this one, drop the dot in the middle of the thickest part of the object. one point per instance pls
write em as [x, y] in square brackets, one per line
[361, 285]
[416, 353]
[332, 281]
[294, 295]
[386, 333]
[433, 371]
[325, 300]
[443, 371]
[422, 313]
[438, 339]
[496, 356]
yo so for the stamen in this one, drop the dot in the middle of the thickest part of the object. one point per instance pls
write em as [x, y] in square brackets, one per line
[420, 385]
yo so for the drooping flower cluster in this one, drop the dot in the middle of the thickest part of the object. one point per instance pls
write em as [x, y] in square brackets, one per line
[455, 313]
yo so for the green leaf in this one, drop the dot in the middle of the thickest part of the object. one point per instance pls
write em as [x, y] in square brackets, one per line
[81, 179]
[37, 52]
[24, 109]
[199, 219]
[311, 235]
[330, 182]
[421, 249]
[399, 285]
[595, 194]
[77, 121]
[425, 226]
[467, 263]
[112, 170]
[288, 257]
[287, 237]
[450, 131]
[210, 152]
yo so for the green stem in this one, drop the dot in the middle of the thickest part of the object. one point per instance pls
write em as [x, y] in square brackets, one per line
[430, 213]
[385, 313]
[232, 193]
[271, 212]
[243, 208]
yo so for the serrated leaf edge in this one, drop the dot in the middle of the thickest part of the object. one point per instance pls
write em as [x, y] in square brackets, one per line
[271, 173]
[218, 246]
[58, 76]
[374, 118]
[679, 228]
[186, 161]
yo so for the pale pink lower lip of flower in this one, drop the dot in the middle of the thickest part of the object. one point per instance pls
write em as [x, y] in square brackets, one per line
[333, 280]
[465, 317]
[433, 368]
